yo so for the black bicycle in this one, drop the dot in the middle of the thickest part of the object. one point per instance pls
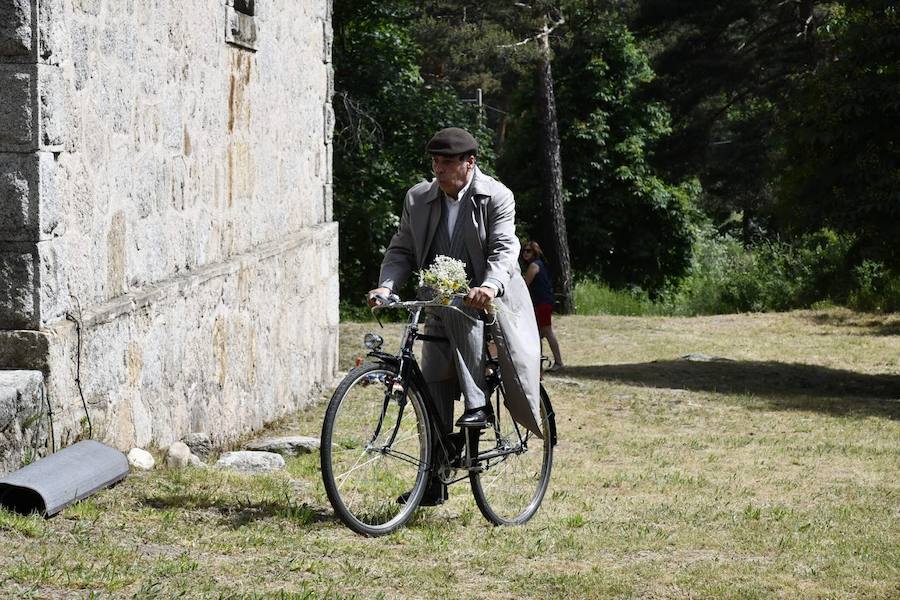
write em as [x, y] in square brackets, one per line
[383, 437]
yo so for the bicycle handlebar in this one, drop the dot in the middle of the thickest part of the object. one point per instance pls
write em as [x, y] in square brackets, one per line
[394, 301]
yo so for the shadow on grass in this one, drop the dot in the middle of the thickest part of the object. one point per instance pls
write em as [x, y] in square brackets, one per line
[784, 385]
[885, 325]
[236, 513]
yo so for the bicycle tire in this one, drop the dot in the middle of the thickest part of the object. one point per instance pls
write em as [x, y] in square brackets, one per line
[510, 491]
[361, 480]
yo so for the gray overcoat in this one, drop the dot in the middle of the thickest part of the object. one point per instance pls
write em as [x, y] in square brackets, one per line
[493, 247]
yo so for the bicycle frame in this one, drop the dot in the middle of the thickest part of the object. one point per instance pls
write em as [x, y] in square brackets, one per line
[410, 372]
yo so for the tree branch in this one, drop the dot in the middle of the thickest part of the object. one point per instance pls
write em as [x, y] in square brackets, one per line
[360, 124]
[544, 33]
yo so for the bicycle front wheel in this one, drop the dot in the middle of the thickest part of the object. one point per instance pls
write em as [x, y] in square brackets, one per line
[512, 485]
[374, 449]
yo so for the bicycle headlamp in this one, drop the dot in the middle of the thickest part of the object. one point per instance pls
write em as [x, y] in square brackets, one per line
[373, 341]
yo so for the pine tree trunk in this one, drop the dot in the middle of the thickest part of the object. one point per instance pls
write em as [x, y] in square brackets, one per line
[551, 166]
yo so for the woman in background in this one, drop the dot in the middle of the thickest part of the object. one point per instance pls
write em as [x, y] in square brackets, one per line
[539, 281]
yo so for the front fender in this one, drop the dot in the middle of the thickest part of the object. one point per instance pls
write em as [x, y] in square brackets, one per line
[384, 357]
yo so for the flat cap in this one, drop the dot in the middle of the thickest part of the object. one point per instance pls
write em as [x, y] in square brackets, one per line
[451, 142]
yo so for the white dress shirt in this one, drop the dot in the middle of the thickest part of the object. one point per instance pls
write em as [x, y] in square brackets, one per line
[451, 205]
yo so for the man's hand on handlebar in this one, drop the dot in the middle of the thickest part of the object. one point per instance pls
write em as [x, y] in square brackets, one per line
[480, 298]
[372, 296]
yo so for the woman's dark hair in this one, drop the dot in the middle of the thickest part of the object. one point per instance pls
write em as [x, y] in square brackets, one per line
[535, 248]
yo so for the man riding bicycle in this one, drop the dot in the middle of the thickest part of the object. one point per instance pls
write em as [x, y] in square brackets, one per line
[468, 216]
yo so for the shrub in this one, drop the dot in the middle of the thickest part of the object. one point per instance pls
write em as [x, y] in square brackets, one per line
[593, 297]
[774, 275]
[877, 288]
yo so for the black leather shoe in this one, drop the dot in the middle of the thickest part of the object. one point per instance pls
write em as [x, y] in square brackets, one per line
[435, 494]
[478, 417]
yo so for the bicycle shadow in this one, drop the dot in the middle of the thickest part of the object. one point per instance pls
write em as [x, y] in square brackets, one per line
[783, 385]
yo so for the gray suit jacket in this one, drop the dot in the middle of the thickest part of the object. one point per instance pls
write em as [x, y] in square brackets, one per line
[491, 241]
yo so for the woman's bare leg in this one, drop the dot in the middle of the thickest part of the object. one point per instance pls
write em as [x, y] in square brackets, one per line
[547, 332]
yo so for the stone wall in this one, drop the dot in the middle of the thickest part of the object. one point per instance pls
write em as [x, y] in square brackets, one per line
[24, 426]
[165, 200]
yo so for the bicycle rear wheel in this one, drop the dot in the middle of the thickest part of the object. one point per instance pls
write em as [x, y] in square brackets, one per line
[510, 489]
[373, 450]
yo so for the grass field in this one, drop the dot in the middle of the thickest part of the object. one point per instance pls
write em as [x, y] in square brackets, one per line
[765, 466]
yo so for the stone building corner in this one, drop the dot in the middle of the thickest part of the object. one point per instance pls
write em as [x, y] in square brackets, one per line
[167, 246]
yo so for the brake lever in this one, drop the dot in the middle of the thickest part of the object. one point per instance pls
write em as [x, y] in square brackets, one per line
[383, 302]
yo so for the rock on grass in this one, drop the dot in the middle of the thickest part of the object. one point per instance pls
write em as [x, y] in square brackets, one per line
[141, 459]
[294, 445]
[249, 461]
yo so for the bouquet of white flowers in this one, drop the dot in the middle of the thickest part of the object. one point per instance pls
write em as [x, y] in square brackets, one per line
[447, 277]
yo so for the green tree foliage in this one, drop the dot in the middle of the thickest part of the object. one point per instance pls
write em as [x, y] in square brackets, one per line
[473, 45]
[724, 67]
[789, 115]
[384, 115]
[626, 223]
[841, 163]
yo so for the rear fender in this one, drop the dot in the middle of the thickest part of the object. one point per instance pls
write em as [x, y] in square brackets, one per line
[551, 416]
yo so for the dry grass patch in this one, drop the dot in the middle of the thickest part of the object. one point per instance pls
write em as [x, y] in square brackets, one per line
[770, 472]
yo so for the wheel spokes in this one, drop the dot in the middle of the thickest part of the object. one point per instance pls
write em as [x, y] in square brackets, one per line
[379, 453]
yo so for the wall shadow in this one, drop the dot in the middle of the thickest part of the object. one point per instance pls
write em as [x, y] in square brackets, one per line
[784, 385]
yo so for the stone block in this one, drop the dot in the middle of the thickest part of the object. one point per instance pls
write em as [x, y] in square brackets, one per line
[114, 102]
[329, 84]
[18, 198]
[328, 200]
[17, 86]
[329, 162]
[327, 41]
[18, 288]
[53, 36]
[30, 199]
[328, 112]
[83, 38]
[50, 195]
[91, 7]
[24, 349]
[23, 418]
[54, 290]
[52, 97]
[32, 99]
[115, 256]
[15, 28]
